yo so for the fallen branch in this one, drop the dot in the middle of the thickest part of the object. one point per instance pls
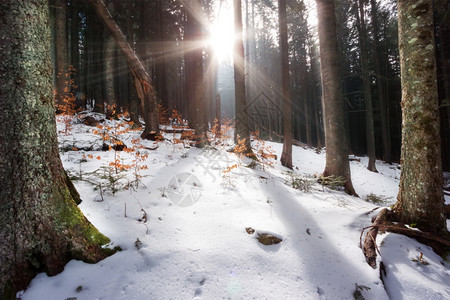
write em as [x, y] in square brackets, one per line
[178, 130]
[151, 148]
[371, 211]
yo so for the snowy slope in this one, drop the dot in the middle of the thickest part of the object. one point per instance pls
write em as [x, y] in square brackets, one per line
[201, 250]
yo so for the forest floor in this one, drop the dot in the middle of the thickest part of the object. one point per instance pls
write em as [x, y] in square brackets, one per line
[181, 224]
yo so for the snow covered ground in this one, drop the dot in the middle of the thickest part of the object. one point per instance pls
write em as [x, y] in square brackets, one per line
[197, 247]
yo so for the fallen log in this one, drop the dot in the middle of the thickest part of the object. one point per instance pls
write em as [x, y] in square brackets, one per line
[178, 130]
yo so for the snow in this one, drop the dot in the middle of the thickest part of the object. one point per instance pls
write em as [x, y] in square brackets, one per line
[201, 250]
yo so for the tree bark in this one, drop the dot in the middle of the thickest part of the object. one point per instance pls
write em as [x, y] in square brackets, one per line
[41, 227]
[286, 156]
[336, 140]
[364, 57]
[420, 199]
[142, 81]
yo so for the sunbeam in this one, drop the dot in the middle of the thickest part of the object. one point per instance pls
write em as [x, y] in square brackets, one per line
[221, 37]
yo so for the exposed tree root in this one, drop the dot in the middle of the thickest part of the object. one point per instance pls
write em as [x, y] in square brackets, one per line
[370, 242]
[440, 244]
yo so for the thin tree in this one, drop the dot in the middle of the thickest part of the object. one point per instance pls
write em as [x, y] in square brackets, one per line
[381, 84]
[336, 140]
[41, 227]
[286, 156]
[242, 129]
[61, 58]
[364, 57]
[195, 84]
[420, 198]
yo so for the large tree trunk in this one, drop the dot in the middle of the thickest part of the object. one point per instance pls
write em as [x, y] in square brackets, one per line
[142, 81]
[336, 140]
[242, 129]
[286, 156]
[381, 85]
[420, 199]
[370, 131]
[41, 227]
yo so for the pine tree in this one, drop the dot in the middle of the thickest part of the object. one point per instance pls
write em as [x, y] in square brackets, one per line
[336, 140]
[242, 129]
[286, 156]
[41, 227]
[420, 198]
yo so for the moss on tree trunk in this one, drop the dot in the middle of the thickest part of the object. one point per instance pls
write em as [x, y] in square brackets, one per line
[420, 198]
[41, 227]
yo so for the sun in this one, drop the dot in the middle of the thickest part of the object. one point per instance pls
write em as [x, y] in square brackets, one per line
[221, 37]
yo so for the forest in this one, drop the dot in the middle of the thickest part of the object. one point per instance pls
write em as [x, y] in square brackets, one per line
[238, 149]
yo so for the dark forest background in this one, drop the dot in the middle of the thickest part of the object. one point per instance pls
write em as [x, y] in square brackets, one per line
[91, 70]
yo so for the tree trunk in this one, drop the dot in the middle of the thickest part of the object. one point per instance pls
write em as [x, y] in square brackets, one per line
[142, 81]
[242, 129]
[218, 113]
[160, 60]
[132, 99]
[381, 86]
[315, 98]
[98, 85]
[286, 156]
[61, 53]
[41, 228]
[194, 70]
[420, 199]
[305, 95]
[370, 131]
[248, 66]
[109, 56]
[442, 24]
[336, 140]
